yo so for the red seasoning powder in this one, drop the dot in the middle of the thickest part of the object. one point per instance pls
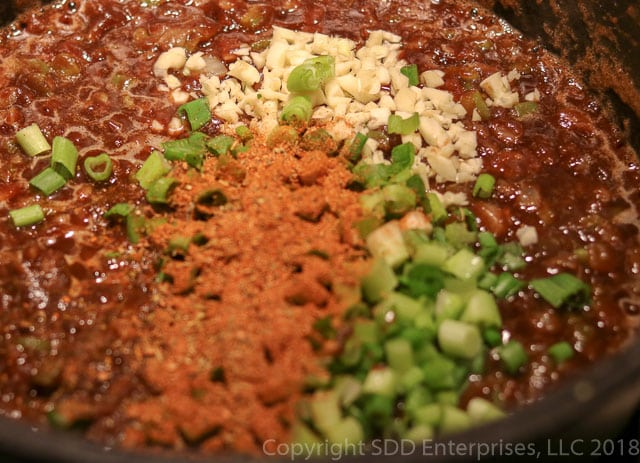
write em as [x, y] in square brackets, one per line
[237, 315]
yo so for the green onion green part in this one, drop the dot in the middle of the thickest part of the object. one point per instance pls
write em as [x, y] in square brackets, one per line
[562, 289]
[153, 168]
[311, 74]
[197, 112]
[411, 71]
[297, 110]
[64, 157]
[483, 187]
[397, 124]
[26, 216]
[513, 356]
[32, 140]
[159, 190]
[561, 351]
[99, 168]
[48, 181]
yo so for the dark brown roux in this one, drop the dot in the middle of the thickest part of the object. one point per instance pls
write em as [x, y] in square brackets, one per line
[78, 305]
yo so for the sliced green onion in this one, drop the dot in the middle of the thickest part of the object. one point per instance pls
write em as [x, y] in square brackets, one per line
[481, 106]
[402, 157]
[297, 110]
[483, 187]
[356, 146]
[119, 210]
[99, 168]
[436, 208]
[136, 226]
[562, 289]
[48, 181]
[197, 112]
[29, 215]
[244, 133]
[32, 141]
[513, 356]
[311, 74]
[526, 107]
[397, 124]
[159, 190]
[153, 168]
[64, 157]
[506, 285]
[561, 351]
[411, 71]
[492, 336]
[178, 150]
[220, 145]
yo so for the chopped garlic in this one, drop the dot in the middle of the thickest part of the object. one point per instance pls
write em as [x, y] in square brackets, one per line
[527, 235]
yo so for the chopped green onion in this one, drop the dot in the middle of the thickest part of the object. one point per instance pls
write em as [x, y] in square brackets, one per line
[356, 146]
[29, 215]
[311, 74]
[282, 135]
[561, 351]
[484, 186]
[411, 71]
[64, 157]
[297, 110]
[506, 285]
[526, 107]
[119, 210]
[197, 112]
[492, 336]
[159, 190]
[220, 145]
[562, 289]
[436, 208]
[244, 133]
[318, 139]
[48, 181]
[32, 141]
[153, 168]
[136, 226]
[397, 124]
[99, 168]
[178, 150]
[481, 106]
[513, 356]
[398, 200]
[402, 157]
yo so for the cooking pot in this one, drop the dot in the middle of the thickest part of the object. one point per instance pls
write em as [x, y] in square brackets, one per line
[581, 418]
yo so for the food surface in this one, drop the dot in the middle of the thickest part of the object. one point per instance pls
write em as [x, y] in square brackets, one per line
[203, 203]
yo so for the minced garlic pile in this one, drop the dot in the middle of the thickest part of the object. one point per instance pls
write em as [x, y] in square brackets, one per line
[367, 88]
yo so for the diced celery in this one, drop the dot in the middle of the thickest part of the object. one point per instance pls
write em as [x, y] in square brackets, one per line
[380, 381]
[453, 420]
[459, 339]
[482, 310]
[301, 434]
[404, 307]
[325, 410]
[482, 411]
[387, 243]
[429, 414]
[439, 373]
[366, 331]
[448, 306]
[373, 203]
[399, 199]
[419, 433]
[416, 398]
[432, 253]
[399, 354]
[436, 208]
[447, 398]
[411, 379]
[464, 264]
[458, 235]
[380, 281]
[347, 431]
[348, 389]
